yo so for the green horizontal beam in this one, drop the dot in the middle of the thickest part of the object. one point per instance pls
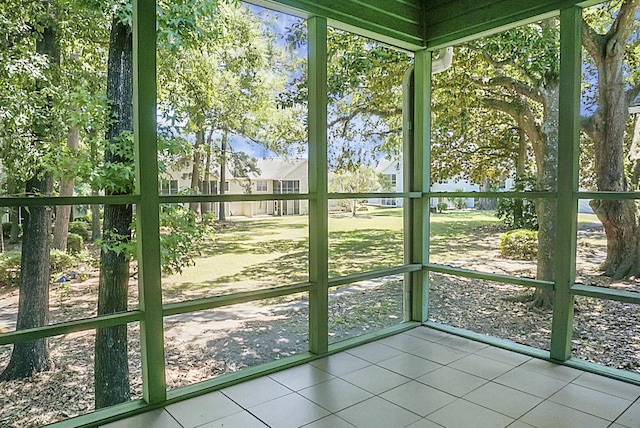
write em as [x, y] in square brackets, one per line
[410, 195]
[348, 279]
[38, 201]
[602, 370]
[515, 195]
[491, 340]
[35, 333]
[606, 293]
[232, 299]
[352, 342]
[107, 415]
[467, 273]
[607, 195]
[243, 375]
[177, 199]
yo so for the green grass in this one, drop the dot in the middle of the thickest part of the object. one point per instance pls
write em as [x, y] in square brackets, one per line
[261, 252]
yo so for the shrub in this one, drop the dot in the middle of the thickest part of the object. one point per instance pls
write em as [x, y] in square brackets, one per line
[10, 265]
[519, 213]
[442, 206]
[79, 228]
[10, 268]
[60, 261]
[519, 244]
[84, 219]
[74, 243]
[6, 230]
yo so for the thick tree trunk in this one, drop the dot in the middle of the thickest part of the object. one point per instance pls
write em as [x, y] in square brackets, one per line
[63, 212]
[223, 174]
[32, 357]
[619, 218]
[546, 180]
[111, 359]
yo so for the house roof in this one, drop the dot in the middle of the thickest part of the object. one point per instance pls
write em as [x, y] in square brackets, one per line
[277, 168]
[386, 163]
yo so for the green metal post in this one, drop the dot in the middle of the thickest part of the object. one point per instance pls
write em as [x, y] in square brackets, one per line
[419, 181]
[318, 204]
[568, 146]
[147, 211]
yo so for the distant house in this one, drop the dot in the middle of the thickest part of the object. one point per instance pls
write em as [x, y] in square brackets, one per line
[276, 176]
[392, 171]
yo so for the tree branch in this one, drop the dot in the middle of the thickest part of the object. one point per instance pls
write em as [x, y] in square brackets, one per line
[517, 86]
[622, 27]
[592, 42]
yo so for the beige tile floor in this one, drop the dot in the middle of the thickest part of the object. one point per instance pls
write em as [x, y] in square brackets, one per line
[419, 379]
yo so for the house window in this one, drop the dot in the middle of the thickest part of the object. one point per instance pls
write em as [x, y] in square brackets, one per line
[169, 187]
[391, 180]
[261, 186]
[285, 187]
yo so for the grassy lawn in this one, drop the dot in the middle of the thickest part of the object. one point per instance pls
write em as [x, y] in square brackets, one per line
[253, 253]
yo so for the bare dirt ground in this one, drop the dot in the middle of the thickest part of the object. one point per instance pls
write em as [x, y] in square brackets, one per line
[207, 344]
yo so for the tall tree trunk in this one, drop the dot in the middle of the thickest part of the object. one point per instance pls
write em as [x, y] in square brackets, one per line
[96, 231]
[13, 188]
[518, 207]
[14, 218]
[111, 359]
[619, 218]
[223, 173]
[205, 207]
[546, 180]
[32, 357]
[63, 212]
[197, 168]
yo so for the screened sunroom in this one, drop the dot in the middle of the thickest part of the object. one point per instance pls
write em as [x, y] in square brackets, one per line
[287, 213]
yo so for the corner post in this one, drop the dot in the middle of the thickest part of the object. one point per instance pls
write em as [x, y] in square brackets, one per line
[147, 211]
[318, 187]
[419, 181]
[568, 155]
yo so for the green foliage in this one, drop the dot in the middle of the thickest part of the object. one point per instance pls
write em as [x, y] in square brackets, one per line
[519, 244]
[441, 207]
[10, 268]
[74, 243]
[116, 176]
[10, 265]
[84, 219]
[79, 228]
[363, 179]
[519, 213]
[181, 238]
[6, 229]
[61, 261]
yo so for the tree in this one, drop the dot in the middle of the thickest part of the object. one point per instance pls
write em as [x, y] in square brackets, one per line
[611, 53]
[364, 179]
[520, 97]
[31, 357]
[111, 359]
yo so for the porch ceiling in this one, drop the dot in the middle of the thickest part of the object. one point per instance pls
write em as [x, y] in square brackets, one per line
[415, 24]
